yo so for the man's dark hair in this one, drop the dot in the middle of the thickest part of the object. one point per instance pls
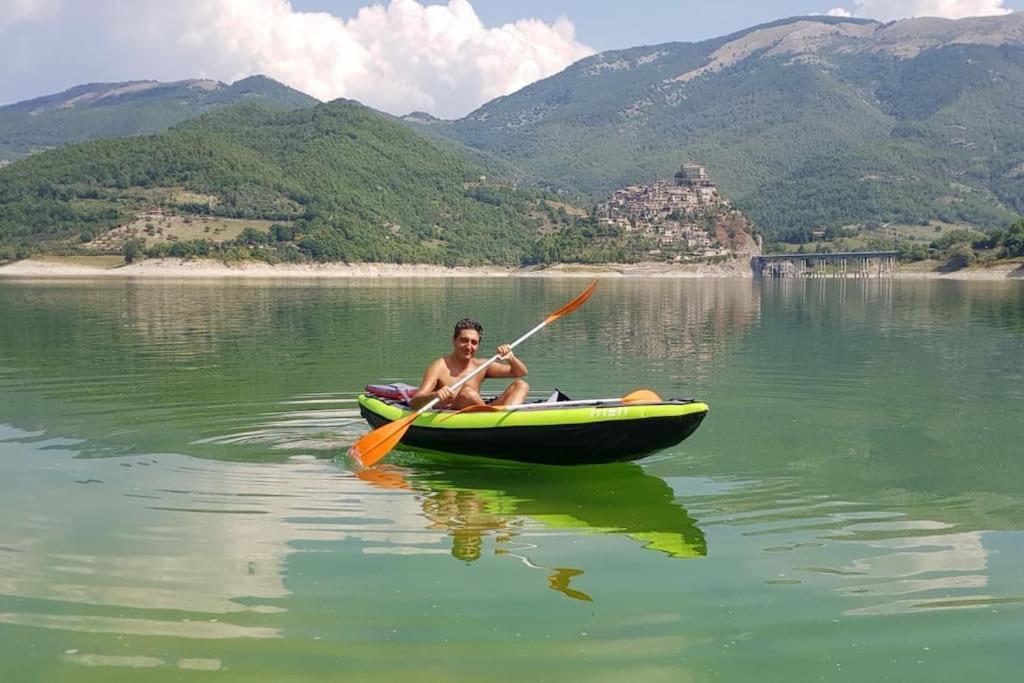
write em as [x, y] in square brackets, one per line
[468, 324]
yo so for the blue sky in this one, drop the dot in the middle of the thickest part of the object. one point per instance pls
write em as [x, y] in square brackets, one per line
[445, 58]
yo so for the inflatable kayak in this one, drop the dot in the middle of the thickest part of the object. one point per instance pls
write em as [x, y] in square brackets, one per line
[556, 432]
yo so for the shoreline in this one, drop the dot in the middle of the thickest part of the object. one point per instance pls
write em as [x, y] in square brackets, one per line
[186, 269]
[182, 269]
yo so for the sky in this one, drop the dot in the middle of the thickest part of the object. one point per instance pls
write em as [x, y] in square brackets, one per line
[444, 57]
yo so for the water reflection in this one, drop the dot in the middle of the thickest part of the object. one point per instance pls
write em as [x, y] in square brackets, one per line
[673, 319]
[477, 501]
[894, 306]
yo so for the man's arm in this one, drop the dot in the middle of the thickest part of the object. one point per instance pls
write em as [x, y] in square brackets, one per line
[514, 367]
[428, 387]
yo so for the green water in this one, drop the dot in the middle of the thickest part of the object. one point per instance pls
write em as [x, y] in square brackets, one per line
[173, 504]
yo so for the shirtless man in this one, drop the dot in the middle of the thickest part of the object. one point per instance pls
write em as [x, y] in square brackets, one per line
[447, 370]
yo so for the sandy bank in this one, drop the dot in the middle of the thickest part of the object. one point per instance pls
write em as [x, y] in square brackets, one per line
[55, 267]
[205, 268]
[1002, 271]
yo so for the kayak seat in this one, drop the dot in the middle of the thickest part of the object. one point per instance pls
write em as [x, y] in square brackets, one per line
[396, 391]
[557, 397]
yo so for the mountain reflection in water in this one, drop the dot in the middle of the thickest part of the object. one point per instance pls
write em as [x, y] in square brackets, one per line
[470, 501]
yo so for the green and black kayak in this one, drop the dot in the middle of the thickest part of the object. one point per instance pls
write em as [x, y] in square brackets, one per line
[552, 432]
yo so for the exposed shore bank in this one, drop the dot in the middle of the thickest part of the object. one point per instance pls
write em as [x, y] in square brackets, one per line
[173, 268]
[182, 269]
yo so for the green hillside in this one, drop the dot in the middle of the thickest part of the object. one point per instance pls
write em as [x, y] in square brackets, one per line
[344, 182]
[813, 122]
[107, 110]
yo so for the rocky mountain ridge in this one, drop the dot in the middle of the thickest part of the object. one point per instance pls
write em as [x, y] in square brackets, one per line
[105, 110]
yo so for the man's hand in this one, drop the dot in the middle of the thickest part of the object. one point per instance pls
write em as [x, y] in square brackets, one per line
[505, 352]
[445, 394]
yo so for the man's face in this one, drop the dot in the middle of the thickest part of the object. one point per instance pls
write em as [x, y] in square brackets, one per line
[465, 343]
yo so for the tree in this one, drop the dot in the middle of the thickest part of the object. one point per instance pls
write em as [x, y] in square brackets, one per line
[1013, 241]
[960, 256]
[133, 249]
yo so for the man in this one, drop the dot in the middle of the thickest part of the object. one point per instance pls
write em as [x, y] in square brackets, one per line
[447, 370]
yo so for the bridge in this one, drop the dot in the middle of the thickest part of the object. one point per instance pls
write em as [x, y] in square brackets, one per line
[862, 264]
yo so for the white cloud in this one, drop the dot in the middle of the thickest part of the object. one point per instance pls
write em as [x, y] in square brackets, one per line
[398, 57]
[838, 12]
[888, 10]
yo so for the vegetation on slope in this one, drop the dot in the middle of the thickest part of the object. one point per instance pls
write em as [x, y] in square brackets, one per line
[827, 139]
[342, 183]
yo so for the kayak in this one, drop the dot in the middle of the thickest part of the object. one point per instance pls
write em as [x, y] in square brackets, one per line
[562, 432]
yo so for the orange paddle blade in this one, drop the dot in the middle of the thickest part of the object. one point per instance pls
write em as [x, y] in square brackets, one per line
[572, 305]
[384, 477]
[641, 395]
[479, 408]
[378, 443]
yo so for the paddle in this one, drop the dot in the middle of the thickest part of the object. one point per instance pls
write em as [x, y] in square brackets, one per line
[378, 443]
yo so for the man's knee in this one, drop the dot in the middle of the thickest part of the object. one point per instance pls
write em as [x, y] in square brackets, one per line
[521, 385]
[470, 395]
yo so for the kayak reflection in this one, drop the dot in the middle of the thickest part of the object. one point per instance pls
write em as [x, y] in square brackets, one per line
[473, 500]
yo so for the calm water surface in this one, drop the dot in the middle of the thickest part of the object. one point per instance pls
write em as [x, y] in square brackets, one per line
[174, 504]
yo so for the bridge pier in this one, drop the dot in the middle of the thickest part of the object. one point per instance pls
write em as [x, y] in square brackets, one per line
[854, 264]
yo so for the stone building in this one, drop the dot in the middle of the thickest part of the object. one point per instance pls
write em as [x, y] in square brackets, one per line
[638, 207]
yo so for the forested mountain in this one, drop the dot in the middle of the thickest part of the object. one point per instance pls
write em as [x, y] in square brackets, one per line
[345, 182]
[811, 122]
[814, 122]
[107, 110]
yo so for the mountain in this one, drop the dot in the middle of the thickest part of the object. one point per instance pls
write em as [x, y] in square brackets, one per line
[107, 110]
[343, 181]
[810, 122]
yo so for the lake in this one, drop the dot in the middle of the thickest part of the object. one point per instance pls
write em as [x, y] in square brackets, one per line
[175, 503]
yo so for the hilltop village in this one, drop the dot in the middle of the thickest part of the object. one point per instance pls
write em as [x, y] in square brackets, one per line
[683, 218]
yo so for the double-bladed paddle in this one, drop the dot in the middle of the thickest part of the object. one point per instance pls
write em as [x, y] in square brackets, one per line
[378, 443]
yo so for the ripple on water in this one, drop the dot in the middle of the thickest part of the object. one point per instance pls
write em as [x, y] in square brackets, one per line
[298, 428]
[194, 550]
[879, 561]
